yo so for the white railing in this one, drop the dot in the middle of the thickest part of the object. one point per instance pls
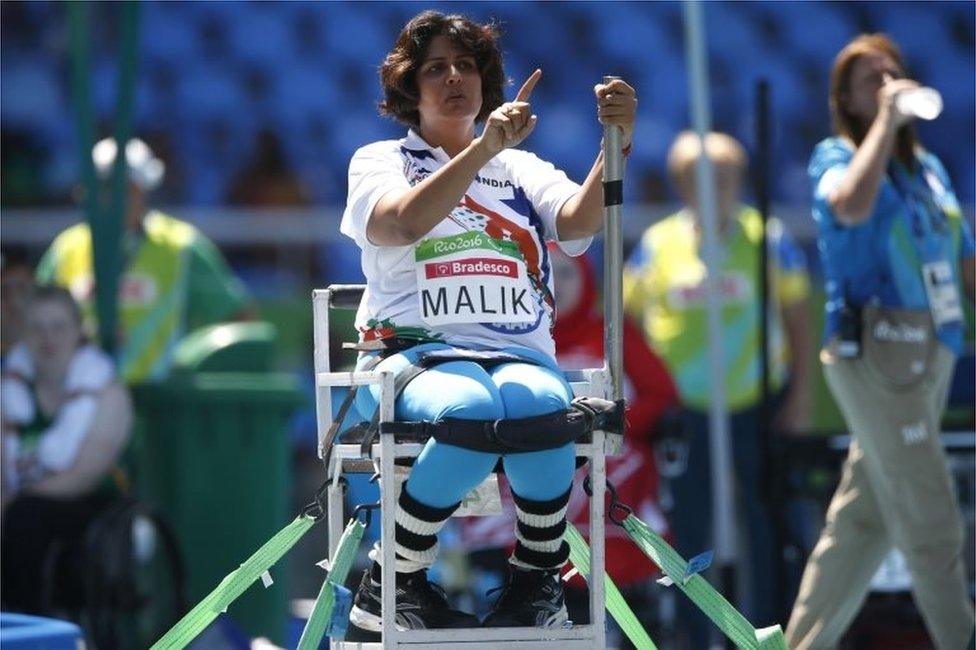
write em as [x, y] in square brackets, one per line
[35, 228]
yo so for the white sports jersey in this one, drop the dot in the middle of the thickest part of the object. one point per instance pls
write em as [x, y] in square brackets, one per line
[481, 278]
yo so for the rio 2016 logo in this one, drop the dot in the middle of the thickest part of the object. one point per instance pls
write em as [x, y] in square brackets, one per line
[450, 246]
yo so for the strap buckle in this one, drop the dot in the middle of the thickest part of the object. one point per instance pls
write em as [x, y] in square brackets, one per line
[367, 509]
[617, 511]
[318, 507]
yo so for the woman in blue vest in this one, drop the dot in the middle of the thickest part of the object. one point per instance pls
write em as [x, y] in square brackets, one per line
[897, 256]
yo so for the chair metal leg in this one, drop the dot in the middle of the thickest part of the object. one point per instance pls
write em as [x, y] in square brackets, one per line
[388, 512]
[598, 470]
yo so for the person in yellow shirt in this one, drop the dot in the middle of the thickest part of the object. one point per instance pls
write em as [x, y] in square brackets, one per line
[174, 280]
[665, 291]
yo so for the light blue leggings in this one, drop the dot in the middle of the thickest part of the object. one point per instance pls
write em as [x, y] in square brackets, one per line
[444, 473]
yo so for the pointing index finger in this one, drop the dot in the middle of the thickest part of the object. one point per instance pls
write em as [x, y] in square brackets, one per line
[528, 86]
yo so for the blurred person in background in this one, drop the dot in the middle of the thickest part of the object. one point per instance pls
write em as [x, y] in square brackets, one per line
[66, 421]
[665, 291]
[16, 284]
[445, 188]
[897, 253]
[267, 181]
[174, 280]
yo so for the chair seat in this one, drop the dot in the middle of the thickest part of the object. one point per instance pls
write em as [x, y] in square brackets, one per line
[355, 435]
[352, 459]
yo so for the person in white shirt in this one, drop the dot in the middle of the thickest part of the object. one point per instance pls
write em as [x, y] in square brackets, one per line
[66, 422]
[453, 228]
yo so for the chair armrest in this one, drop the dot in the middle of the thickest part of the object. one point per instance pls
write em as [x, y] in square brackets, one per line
[345, 296]
[589, 382]
[350, 378]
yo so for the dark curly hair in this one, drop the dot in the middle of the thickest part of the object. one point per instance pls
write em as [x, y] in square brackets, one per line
[398, 74]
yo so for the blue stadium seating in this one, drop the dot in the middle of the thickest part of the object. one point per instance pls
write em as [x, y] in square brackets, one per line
[215, 72]
[32, 94]
[105, 92]
[734, 35]
[301, 87]
[351, 33]
[662, 87]
[168, 35]
[568, 136]
[813, 31]
[263, 35]
[922, 34]
[208, 92]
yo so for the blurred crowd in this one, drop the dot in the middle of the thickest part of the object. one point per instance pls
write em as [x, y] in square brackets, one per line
[209, 89]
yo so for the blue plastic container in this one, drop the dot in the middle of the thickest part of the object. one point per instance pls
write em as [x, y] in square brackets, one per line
[23, 632]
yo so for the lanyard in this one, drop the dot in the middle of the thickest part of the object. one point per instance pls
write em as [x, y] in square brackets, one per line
[930, 236]
[928, 221]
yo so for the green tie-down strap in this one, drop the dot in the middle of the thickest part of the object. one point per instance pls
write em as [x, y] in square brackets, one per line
[733, 624]
[579, 555]
[235, 584]
[322, 612]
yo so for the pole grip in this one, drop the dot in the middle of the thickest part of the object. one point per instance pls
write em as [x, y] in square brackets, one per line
[613, 164]
[613, 181]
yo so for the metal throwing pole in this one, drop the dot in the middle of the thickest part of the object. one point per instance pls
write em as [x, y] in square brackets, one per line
[613, 306]
[723, 531]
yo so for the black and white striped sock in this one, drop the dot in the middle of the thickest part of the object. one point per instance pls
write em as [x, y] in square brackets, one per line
[417, 525]
[539, 532]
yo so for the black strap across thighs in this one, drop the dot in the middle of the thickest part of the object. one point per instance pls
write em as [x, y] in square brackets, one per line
[504, 436]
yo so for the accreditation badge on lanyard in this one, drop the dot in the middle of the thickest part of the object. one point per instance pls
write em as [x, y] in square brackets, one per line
[940, 285]
[472, 278]
[929, 230]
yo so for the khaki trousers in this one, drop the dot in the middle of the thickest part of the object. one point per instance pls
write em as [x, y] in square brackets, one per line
[895, 490]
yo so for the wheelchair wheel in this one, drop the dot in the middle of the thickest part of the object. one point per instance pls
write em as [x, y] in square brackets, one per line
[134, 578]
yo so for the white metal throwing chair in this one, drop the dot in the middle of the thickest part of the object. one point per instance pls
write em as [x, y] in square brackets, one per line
[349, 458]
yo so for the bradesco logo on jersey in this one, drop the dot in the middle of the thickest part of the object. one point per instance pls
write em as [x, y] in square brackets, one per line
[472, 278]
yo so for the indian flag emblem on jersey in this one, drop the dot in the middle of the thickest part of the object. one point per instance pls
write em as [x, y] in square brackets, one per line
[468, 218]
[471, 215]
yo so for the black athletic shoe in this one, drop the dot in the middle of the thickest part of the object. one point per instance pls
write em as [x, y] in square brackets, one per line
[420, 605]
[530, 599]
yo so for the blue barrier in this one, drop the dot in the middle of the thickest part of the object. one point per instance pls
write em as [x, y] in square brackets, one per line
[23, 632]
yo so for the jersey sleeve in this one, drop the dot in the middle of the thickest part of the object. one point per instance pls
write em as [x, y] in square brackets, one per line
[374, 170]
[826, 170]
[547, 189]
